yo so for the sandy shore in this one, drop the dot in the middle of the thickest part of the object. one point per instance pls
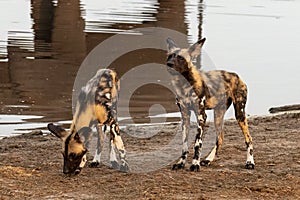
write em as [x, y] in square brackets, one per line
[31, 167]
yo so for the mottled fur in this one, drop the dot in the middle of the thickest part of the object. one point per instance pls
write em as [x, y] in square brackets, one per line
[200, 91]
[96, 106]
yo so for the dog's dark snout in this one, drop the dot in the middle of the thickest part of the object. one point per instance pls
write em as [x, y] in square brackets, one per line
[170, 63]
[170, 60]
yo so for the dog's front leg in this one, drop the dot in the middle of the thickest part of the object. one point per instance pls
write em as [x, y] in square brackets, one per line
[201, 119]
[185, 126]
[100, 144]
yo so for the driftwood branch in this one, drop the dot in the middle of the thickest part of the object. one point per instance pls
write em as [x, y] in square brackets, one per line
[284, 108]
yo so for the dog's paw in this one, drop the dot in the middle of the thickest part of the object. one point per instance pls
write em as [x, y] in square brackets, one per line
[205, 163]
[94, 164]
[114, 165]
[178, 166]
[195, 167]
[124, 168]
[249, 165]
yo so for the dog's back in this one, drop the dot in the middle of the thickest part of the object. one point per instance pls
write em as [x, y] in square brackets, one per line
[97, 100]
[222, 86]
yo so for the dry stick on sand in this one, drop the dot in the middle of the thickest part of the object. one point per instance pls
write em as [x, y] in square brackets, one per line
[284, 108]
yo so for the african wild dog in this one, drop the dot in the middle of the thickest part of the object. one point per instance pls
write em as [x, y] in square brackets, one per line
[215, 90]
[96, 106]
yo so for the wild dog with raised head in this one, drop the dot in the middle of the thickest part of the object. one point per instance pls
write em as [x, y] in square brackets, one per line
[215, 90]
[96, 106]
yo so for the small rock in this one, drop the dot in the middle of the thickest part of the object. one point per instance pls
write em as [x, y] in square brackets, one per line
[35, 132]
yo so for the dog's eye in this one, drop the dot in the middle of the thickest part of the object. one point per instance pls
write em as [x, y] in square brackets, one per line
[180, 58]
[169, 57]
[72, 156]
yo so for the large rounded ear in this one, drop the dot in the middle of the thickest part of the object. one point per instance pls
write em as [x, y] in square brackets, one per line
[195, 49]
[171, 45]
[57, 131]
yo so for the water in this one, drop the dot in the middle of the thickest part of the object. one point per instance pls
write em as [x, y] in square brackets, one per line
[16, 124]
[43, 44]
[260, 41]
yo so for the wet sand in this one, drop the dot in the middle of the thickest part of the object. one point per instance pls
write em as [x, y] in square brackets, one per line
[31, 168]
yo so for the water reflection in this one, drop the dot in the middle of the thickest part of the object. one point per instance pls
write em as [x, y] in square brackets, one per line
[118, 15]
[42, 61]
[43, 44]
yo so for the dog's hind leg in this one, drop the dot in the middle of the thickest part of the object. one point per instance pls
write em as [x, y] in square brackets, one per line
[116, 142]
[240, 115]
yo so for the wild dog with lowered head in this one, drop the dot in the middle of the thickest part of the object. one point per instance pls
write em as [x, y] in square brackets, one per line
[215, 90]
[96, 106]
